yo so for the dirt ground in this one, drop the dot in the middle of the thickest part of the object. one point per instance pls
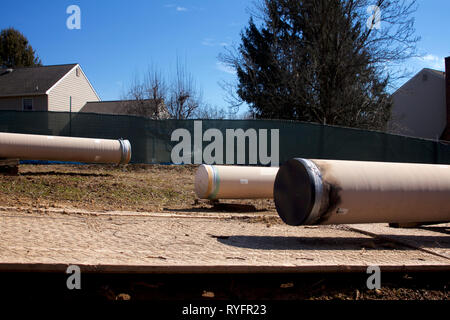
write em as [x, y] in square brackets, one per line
[160, 188]
[146, 188]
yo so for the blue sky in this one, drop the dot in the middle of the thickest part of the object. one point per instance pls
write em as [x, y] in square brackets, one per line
[119, 39]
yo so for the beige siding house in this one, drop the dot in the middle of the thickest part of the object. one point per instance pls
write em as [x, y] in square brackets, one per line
[16, 103]
[45, 88]
[74, 87]
[419, 106]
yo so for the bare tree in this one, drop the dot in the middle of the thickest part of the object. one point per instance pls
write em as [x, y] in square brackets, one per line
[210, 112]
[157, 98]
[147, 97]
[231, 97]
[185, 98]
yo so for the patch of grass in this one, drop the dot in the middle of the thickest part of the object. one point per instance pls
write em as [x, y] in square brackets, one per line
[139, 187]
[151, 188]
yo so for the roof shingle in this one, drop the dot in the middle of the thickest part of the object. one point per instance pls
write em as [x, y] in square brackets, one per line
[31, 80]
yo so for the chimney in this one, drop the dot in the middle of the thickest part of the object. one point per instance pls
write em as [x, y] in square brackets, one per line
[446, 134]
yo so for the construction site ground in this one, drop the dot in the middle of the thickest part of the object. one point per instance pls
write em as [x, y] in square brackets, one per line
[138, 232]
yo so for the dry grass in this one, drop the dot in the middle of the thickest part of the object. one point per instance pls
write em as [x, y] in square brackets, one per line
[150, 188]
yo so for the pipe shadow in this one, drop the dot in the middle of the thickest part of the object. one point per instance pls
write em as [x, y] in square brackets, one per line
[444, 230]
[74, 174]
[326, 243]
[221, 207]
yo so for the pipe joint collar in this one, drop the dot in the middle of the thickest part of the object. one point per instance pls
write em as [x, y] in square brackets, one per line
[125, 148]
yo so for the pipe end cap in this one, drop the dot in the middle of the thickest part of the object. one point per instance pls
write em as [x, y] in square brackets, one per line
[294, 192]
[203, 181]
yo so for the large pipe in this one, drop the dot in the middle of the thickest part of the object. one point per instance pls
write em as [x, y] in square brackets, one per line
[345, 192]
[40, 147]
[234, 182]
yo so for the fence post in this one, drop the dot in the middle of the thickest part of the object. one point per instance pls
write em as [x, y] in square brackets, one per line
[70, 115]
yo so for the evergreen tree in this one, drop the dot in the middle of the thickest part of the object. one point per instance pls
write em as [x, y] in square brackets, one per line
[15, 51]
[317, 61]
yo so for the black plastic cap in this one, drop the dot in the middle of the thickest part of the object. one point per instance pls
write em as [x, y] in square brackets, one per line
[294, 192]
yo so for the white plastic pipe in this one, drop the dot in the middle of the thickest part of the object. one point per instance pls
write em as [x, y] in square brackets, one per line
[345, 192]
[40, 147]
[234, 182]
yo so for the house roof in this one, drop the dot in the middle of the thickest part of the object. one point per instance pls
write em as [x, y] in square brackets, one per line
[437, 72]
[31, 80]
[107, 107]
[122, 107]
[434, 72]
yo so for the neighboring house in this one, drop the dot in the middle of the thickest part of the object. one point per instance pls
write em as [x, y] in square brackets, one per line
[145, 108]
[45, 88]
[65, 88]
[421, 105]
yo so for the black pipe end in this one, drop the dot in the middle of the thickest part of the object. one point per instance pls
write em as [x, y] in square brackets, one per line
[294, 192]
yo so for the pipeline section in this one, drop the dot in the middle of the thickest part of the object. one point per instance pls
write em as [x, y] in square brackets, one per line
[234, 182]
[310, 192]
[55, 148]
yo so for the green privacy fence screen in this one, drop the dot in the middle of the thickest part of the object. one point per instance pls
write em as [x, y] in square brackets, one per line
[151, 139]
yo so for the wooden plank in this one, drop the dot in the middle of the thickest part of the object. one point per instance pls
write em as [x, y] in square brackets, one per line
[116, 243]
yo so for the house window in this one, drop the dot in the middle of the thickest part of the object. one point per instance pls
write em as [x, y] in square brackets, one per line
[27, 104]
[77, 72]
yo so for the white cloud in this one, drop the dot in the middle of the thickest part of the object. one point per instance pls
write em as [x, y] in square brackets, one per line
[429, 57]
[210, 42]
[176, 7]
[433, 61]
[223, 67]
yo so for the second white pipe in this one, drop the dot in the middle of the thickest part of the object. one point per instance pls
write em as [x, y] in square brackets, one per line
[234, 182]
